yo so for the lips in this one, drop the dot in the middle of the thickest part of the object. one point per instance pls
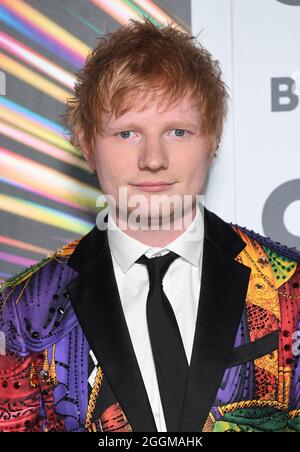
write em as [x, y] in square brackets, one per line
[154, 186]
[153, 183]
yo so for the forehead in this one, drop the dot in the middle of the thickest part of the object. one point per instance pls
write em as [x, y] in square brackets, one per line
[154, 107]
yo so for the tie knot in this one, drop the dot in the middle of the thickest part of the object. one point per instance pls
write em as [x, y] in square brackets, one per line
[157, 266]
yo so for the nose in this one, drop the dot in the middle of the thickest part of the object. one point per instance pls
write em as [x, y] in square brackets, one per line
[152, 155]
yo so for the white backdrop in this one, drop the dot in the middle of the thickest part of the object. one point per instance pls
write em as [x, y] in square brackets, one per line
[255, 180]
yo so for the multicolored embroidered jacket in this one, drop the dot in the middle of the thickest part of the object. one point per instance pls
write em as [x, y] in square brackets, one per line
[67, 362]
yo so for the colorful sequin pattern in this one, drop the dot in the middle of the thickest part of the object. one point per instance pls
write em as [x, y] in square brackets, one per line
[263, 395]
[44, 359]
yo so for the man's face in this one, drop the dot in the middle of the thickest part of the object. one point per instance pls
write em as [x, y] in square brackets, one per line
[153, 145]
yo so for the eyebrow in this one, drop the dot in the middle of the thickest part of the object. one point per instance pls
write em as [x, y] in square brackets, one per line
[174, 124]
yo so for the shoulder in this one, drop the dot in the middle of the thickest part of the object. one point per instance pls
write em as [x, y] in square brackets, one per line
[291, 253]
[270, 260]
[34, 309]
[55, 260]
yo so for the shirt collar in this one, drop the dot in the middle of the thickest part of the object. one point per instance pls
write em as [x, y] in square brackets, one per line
[126, 250]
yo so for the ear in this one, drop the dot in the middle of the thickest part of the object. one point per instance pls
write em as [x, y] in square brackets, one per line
[214, 153]
[87, 152]
[212, 156]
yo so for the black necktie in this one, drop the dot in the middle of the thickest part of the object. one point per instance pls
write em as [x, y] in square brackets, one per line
[167, 347]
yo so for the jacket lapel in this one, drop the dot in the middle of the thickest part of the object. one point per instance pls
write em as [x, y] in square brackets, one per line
[96, 302]
[224, 284]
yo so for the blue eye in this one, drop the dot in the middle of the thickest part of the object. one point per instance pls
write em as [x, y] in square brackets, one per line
[178, 132]
[125, 133]
[181, 132]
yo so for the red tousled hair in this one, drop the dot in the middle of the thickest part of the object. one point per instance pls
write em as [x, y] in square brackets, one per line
[139, 59]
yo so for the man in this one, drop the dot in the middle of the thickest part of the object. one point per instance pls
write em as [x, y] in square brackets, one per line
[164, 317]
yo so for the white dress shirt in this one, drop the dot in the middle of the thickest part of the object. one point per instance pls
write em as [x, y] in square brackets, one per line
[181, 285]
